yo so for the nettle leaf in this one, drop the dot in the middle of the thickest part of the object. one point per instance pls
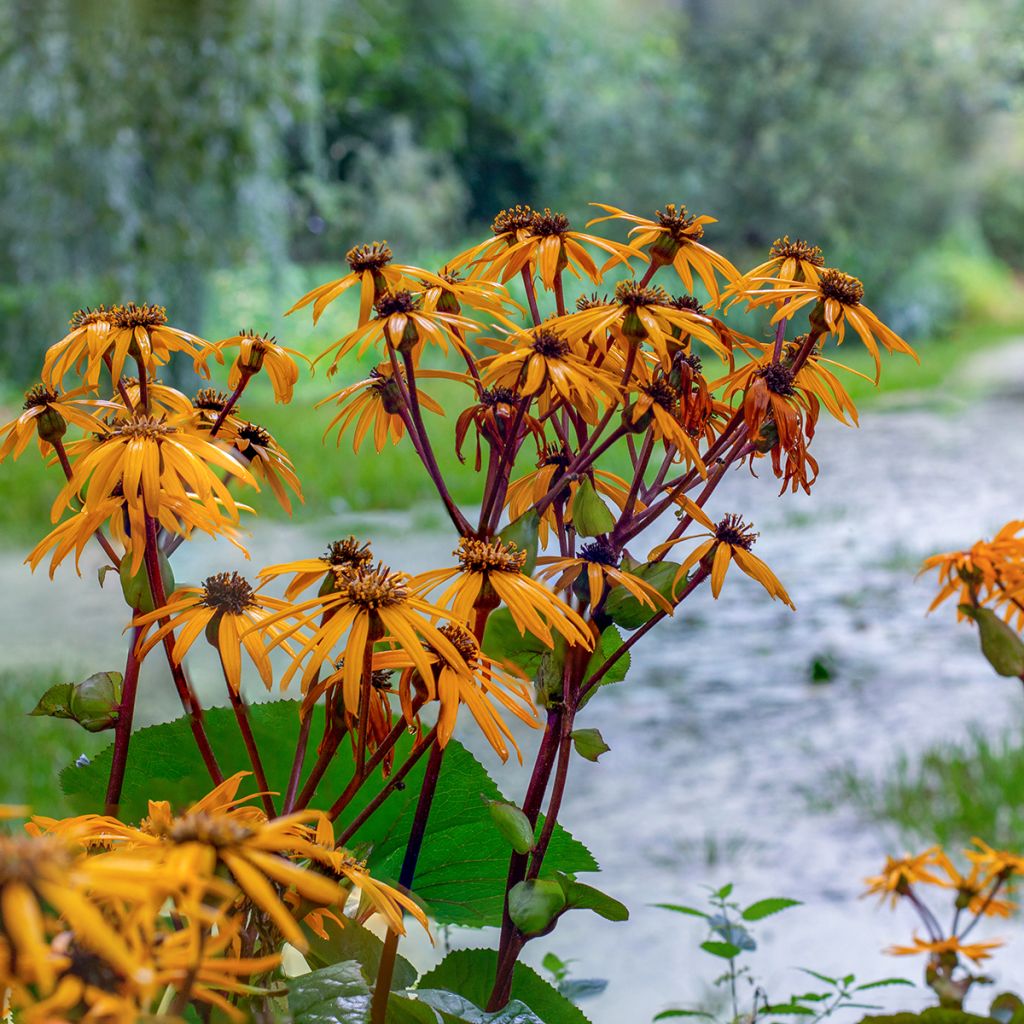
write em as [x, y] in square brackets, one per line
[630, 613]
[524, 532]
[355, 943]
[56, 702]
[765, 908]
[535, 903]
[670, 1014]
[470, 974]
[726, 950]
[579, 896]
[337, 994]
[464, 862]
[678, 908]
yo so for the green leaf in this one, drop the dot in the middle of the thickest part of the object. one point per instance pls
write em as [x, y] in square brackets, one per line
[765, 908]
[590, 515]
[503, 642]
[680, 909]
[456, 1009]
[524, 533]
[56, 702]
[513, 824]
[589, 743]
[136, 590]
[670, 1014]
[579, 896]
[610, 642]
[1000, 644]
[333, 995]
[464, 862]
[535, 903]
[725, 892]
[354, 943]
[96, 701]
[790, 1009]
[555, 964]
[726, 950]
[629, 612]
[883, 983]
[470, 973]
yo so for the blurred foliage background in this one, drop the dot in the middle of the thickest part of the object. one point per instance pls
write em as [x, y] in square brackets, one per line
[146, 146]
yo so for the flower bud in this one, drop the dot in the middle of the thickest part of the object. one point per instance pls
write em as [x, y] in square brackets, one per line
[50, 425]
[96, 701]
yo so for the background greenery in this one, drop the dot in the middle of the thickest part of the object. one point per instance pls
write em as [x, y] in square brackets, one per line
[145, 145]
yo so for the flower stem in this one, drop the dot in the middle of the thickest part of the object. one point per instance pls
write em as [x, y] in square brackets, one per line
[65, 464]
[123, 729]
[241, 711]
[301, 746]
[246, 375]
[531, 295]
[382, 989]
[188, 699]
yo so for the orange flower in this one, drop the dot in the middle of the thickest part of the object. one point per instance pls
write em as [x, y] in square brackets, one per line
[976, 951]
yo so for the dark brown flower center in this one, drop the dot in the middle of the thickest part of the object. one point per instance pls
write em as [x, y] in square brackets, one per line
[132, 315]
[687, 303]
[662, 393]
[212, 830]
[515, 218]
[39, 395]
[498, 395]
[798, 249]
[462, 640]
[368, 257]
[779, 379]
[679, 223]
[348, 553]
[253, 433]
[489, 556]
[552, 456]
[372, 588]
[25, 858]
[834, 284]
[549, 223]
[591, 301]
[210, 399]
[732, 530]
[391, 303]
[141, 426]
[263, 341]
[228, 592]
[548, 344]
[87, 316]
[601, 552]
[450, 276]
[631, 294]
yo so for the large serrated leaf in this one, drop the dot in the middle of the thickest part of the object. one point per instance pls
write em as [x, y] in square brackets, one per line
[464, 862]
[470, 973]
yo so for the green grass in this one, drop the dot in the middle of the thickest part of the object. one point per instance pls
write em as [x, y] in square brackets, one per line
[37, 749]
[973, 787]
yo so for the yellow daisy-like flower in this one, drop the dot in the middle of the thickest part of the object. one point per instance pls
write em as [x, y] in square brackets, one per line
[147, 460]
[486, 682]
[644, 313]
[221, 835]
[976, 951]
[530, 489]
[160, 400]
[995, 862]
[596, 568]
[376, 402]
[492, 571]
[227, 609]
[39, 877]
[341, 556]
[402, 322]
[788, 263]
[492, 416]
[543, 362]
[989, 572]
[268, 462]
[82, 349]
[523, 237]
[900, 873]
[364, 605]
[47, 413]
[662, 405]
[729, 540]
[262, 352]
[837, 297]
[372, 269]
[675, 237]
[207, 406]
[143, 333]
[454, 292]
